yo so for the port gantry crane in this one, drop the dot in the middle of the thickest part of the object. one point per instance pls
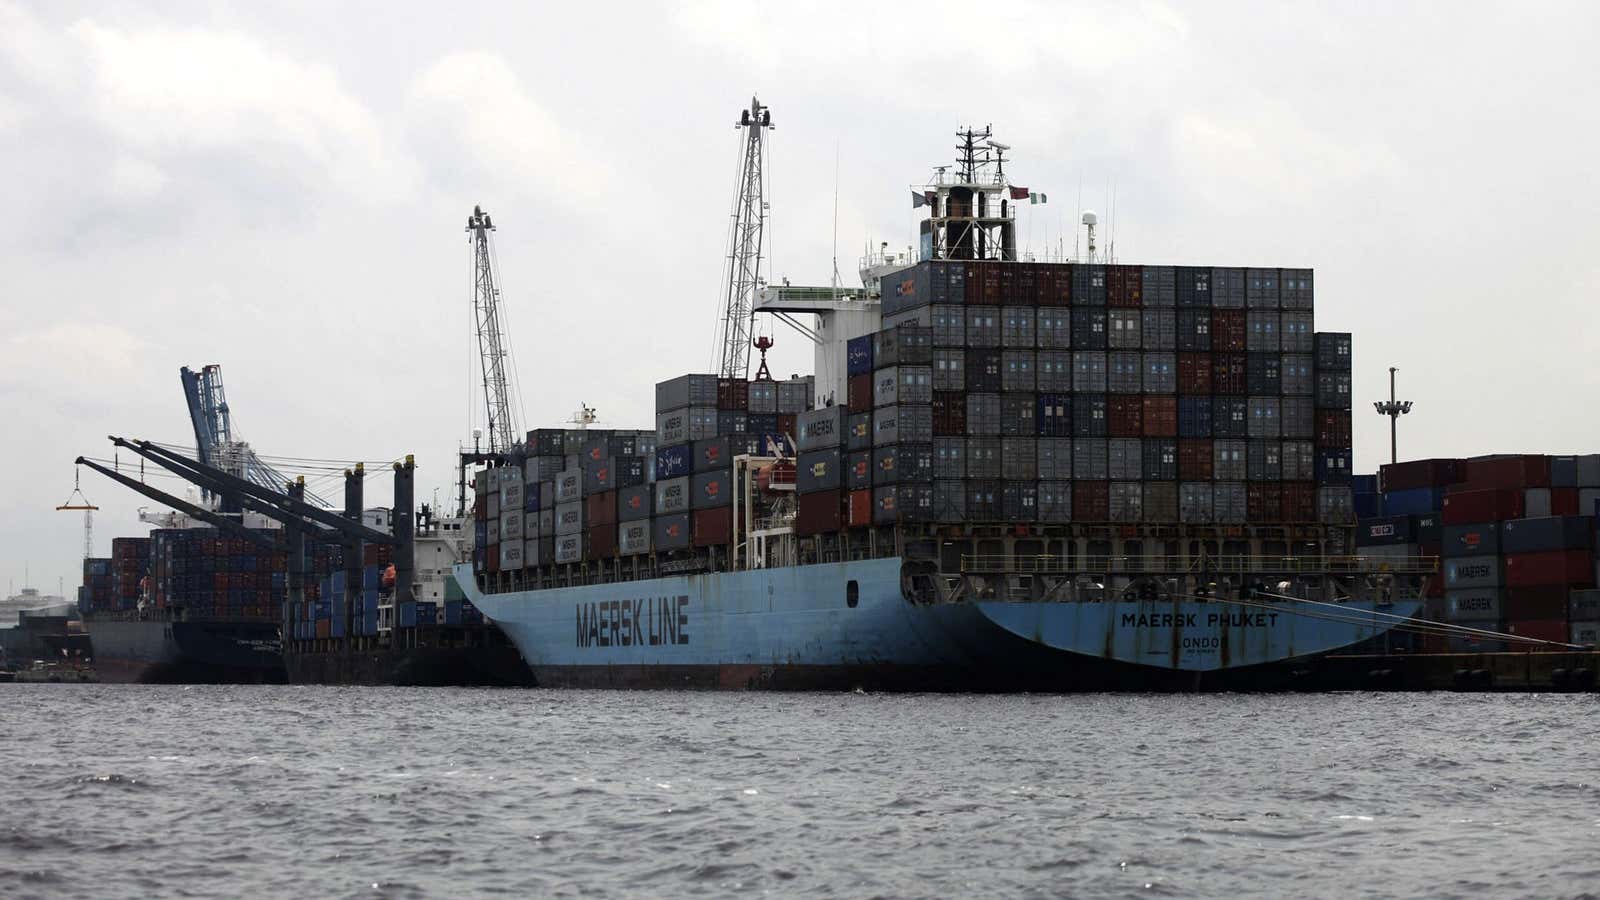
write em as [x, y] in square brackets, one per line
[214, 443]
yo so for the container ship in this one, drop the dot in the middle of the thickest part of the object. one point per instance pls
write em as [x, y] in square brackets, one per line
[1004, 474]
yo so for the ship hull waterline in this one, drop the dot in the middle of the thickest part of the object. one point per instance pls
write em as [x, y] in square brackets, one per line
[129, 651]
[797, 628]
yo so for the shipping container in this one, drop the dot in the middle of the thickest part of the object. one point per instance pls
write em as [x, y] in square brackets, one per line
[1297, 418]
[858, 361]
[613, 472]
[948, 326]
[1333, 390]
[1263, 373]
[1194, 502]
[983, 370]
[1089, 372]
[858, 431]
[1333, 466]
[714, 490]
[1160, 502]
[1194, 417]
[795, 395]
[1125, 459]
[1481, 607]
[1159, 286]
[1091, 460]
[820, 513]
[982, 327]
[764, 394]
[1229, 461]
[1160, 416]
[1088, 328]
[858, 470]
[1299, 461]
[1017, 412]
[858, 508]
[682, 426]
[1160, 460]
[1089, 413]
[1088, 284]
[1263, 415]
[1053, 370]
[1125, 501]
[1264, 460]
[949, 500]
[1413, 474]
[1125, 416]
[1573, 568]
[1333, 351]
[1053, 418]
[672, 495]
[1160, 372]
[633, 538]
[858, 393]
[1534, 535]
[949, 370]
[950, 457]
[1054, 459]
[1016, 370]
[1159, 329]
[1019, 458]
[1194, 330]
[905, 424]
[1125, 372]
[712, 527]
[983, 457]
[569, 518]
[684, 391]
[1016, 327]
[1506, 472]
[1195, 459]
[983, 500]
[1295, 334]
[949, 414]
[1123, 329]
[818, 470]
[1053, 329]
[822, 428]
[1229, 374]
[1229, 331]
[1463, 507]
[1054, 499]
[902, 463]
[1335, 505]
[598, 509]
[1230, 502]
[1472, 572]
[1415, 501]
[1262, 335]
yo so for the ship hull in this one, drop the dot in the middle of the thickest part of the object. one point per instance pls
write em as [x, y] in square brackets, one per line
[187, 652]
[497, 666]
[796, 628]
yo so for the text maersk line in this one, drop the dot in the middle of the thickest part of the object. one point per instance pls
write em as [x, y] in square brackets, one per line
[641, 622]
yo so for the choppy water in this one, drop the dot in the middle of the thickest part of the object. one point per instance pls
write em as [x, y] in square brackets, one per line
[308, 792]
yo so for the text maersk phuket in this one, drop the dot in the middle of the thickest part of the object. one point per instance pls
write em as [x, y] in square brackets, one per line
[639, 622]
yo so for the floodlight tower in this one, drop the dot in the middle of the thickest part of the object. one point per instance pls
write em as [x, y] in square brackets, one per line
[1394, 409]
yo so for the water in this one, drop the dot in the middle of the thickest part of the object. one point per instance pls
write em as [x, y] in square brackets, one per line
[292, 792]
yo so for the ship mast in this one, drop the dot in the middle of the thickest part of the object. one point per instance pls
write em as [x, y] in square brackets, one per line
[971, 216]
[744, 247]
[491, 343]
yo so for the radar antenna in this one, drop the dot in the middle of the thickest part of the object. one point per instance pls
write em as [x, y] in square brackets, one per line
[744, 250]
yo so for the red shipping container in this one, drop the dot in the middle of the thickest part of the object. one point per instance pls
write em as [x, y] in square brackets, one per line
[1194, 373]
[601, 508]
[786, 424]
[1466, 507]
[733, 394]
[1333, 428]
[1045, 290]
[1228, 330]
[1026, 286]
[983, 282]
[1299, 501]
[1506, 472]
[1228, 376]
[1125, 415]
[1564, 502]
[602, 541]
[1263, 503]
[819, 512]
[492, 558]
[1194, 459]
[1547, 602]
[1160, 415]
[1570, 568]
[858, 393]
[712, 527]
[1416, 473]
[1124, 286]
[1538, 629]
[949, 413]
[860, 514]
[1091, 501]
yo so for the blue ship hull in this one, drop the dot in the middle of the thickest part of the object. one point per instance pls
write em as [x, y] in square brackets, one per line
[842, 625]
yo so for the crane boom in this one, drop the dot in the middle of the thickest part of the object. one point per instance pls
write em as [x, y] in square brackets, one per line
[745, 244]
[501, 424]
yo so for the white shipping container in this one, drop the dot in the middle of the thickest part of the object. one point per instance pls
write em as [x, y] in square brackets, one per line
[511, 494]
[633, 538]
[1536, 503]
[569, 485]
[569, 548]
[511, 526]
[511, 556]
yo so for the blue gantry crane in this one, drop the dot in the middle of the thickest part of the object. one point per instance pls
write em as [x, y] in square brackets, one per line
[214, 443]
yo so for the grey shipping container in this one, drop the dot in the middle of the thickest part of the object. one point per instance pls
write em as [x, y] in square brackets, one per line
[886, 386]
[492, 529]
[1055, 501]
[569, 518]
[1090, 459]
[1299, 461]
[1019, 460]
[983, 457]
[1333, 390]
[1261, 288]
[1016, 370]
[796, 395]
[1295, 288]
[542, 468]
[858, 432]
[983, 414]
[1089, 373]
[569, 548]
[1054, 459]
[1019, 501]
[1297, 417]
[1548, 533]
[1228, 288]
[1584, 605]
[1016, 327]
[1160, 460]
[1295, 334]
[1481, 605]
[1229, 504]
[858, 470]
[1125, 459]
[1297, 375]
[680, 426]
[903, 424]
[1159, 329]
[1264, 460]
[1019, 414]
[672, 496]
[1333, 350]
[764, 397]
[1480, 539]
[949, 500]
[540, 551]
[983, 326]
[950, 457]
[1228, 460]
[949, 370]
[1336, 504]
[547, 522]
[569, 485]
[1264, 412]
[1261, 335]
[948, 326]
[670, 532]
[1160, 285]
[713, 490]
[902, 464]
[1160, 501]
[1052, 328]
[1472, 572]
[633, 503]
[820, 428]
[1053, 371]
[1194, 502]
[1123, 328]
[686, 390]
[511, 525]
[1125, 372]
[816, 471]
[633, 538]
[1127, 501]
[1160, 373]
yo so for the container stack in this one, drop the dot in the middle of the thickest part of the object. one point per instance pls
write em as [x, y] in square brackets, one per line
[130, 564]
[1097, 393]
[98, 592]
[206, 574]
[1517, 540]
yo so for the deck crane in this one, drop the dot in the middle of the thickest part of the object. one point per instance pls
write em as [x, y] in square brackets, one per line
[502, 425]
[749, 220]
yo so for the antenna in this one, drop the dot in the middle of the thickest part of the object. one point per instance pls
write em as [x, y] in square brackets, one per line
[835, 233]
[1394, 409]
[1090, 220]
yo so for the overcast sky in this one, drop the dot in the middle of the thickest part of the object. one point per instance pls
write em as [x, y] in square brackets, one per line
[281, 188]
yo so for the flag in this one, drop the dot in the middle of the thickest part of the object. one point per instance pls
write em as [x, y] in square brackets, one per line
[1019, 193]
[1036, 198]
[918, 199]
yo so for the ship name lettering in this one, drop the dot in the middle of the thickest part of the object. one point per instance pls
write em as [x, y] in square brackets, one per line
[655, 621]
[1192, 620]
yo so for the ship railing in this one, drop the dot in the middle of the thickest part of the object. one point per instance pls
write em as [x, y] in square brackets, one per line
[994, 564]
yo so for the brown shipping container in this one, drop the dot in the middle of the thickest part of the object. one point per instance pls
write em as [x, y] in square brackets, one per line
[1571, 568]
[1548, 602]
[602, 541]
[1507, 472]
[819, 512]
[712, 527]
[1228, 331]
[1543, 630]
[1299, 501]
[1125, 415]
[1333, 431]
[858, 392]
[1160, 415]
[1228, 374]
[1466, 507]
[949, 413]
[1263, 502]
[1091, 501]
[1194, 459]
[786, 421]
[492, 558]
[601, 509]
[1194, 373]
[1416, 473]
[860, 514]
[1124, 286]
[733, 394]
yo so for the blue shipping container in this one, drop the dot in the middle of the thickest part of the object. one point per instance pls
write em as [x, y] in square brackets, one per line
[1364, 484]
[1413, 502]
[1194, 417]
[1369, 504]
[452, 612]
[674, 461]
[1333, 466]
[858, 355]
[407, 614]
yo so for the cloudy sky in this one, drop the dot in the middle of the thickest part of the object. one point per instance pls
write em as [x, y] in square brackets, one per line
[281, 188]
